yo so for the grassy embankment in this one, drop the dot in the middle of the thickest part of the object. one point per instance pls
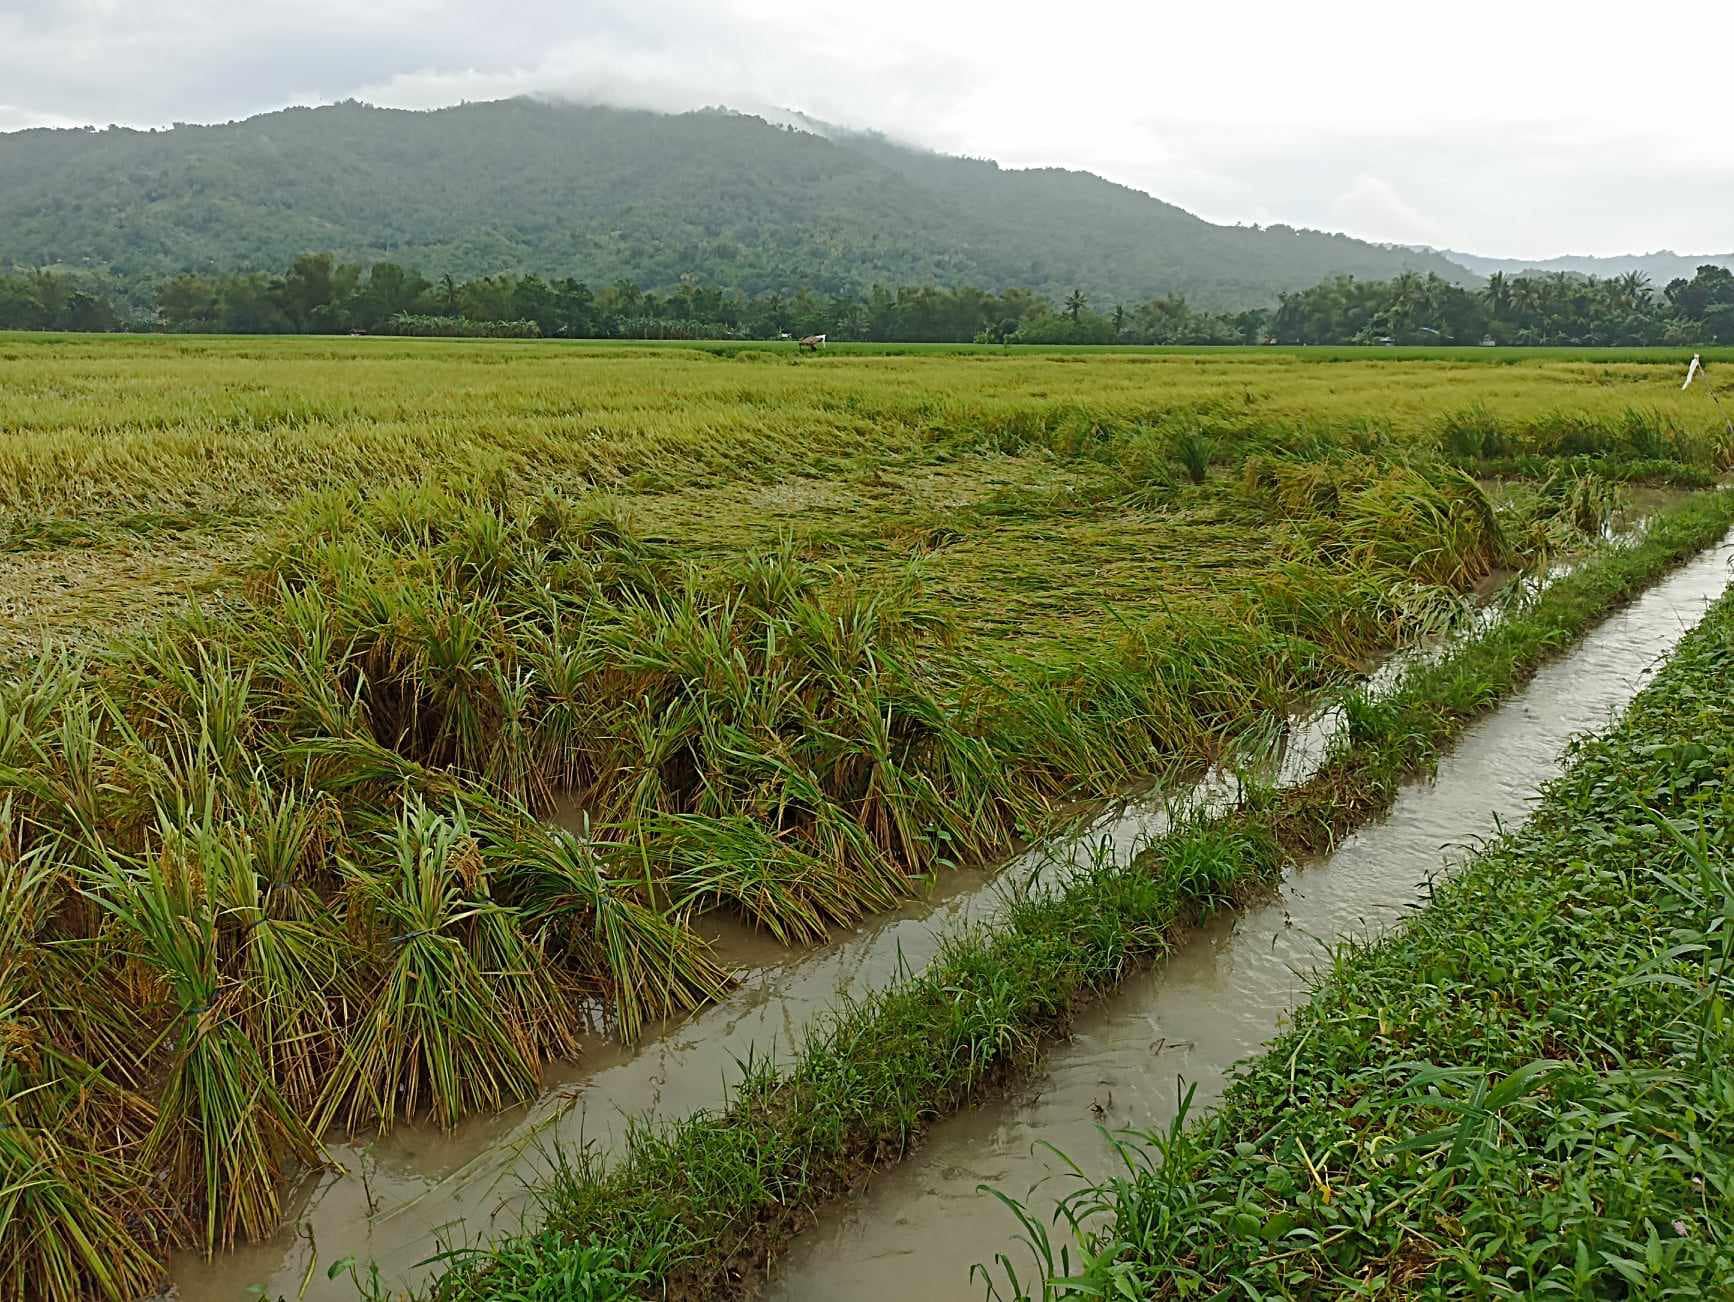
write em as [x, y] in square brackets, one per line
[1526, 1091]
[242, 842]
[695, 1208]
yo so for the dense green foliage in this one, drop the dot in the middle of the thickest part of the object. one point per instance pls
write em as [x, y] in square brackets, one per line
[609, 195]
[46, 300]
[1524, 1092]
[323, 296]
[1528, 310]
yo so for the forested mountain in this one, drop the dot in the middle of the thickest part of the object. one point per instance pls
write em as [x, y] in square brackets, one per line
[1658, 268]
[612, 195]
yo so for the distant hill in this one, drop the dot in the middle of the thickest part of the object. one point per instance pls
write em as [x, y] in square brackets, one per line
[606, 194]
[1660, 267]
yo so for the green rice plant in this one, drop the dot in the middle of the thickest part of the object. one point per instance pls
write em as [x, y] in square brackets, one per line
[76, 1220]
[1146, 466]
[1473, 433]
[1573, 434]
[468, 1005]
[1648, 434]
[1172, 688]
[1304, 487]
[55, 766]
[735, 860]
[186, 734]
[1195, 452]
[1430, 522]
[295, 968]
[647, 963]
[1352, 612]
[78, 1216]
[224, 1134]
[1436, 527]
[70, 1007]
[565, 721]
[1585, 501]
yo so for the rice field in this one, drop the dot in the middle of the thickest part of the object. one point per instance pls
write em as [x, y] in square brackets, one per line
[135, 468]
[379, 714]
[703, 1205]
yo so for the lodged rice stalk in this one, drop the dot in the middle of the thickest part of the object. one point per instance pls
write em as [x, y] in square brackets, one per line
[1423, 522]
[78, 1216]
[468, 1007]
[639, 961]
[313, 825]
[284, 858]
[224, 1131]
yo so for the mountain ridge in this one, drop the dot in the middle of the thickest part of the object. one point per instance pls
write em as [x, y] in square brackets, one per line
[1660, 266]
[604, 194]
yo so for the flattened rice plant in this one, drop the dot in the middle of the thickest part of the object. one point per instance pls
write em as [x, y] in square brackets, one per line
[78, 1217]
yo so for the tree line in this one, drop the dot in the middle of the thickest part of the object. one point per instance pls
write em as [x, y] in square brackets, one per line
[320, 295]
[1554, 309]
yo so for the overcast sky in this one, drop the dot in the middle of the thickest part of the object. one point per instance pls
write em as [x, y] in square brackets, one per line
[1523, 128]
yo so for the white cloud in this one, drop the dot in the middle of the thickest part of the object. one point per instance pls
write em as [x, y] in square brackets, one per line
[1372, 206]
[1520, 129]
[17, 119]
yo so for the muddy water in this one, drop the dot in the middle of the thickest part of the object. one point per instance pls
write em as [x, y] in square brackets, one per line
[404, 1196]
[919, 1227]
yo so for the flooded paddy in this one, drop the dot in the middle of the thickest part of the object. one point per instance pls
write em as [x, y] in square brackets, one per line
[799, 638]
[918, 1229]
[402, 1197]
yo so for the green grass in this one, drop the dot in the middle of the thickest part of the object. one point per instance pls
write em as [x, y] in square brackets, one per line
[697, 1206]
[1524, 1091]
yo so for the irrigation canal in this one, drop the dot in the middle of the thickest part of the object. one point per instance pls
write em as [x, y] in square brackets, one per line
[402, 1197]
[921, 1225]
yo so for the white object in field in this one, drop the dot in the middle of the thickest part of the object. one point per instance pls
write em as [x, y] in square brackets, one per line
[1692, 371]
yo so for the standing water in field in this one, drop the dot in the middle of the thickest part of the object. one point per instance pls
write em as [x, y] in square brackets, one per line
[917, 1230]
[404, 1196]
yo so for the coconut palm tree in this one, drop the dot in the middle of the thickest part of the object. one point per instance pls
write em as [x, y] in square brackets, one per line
[1634, 288]
[1498, 295]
